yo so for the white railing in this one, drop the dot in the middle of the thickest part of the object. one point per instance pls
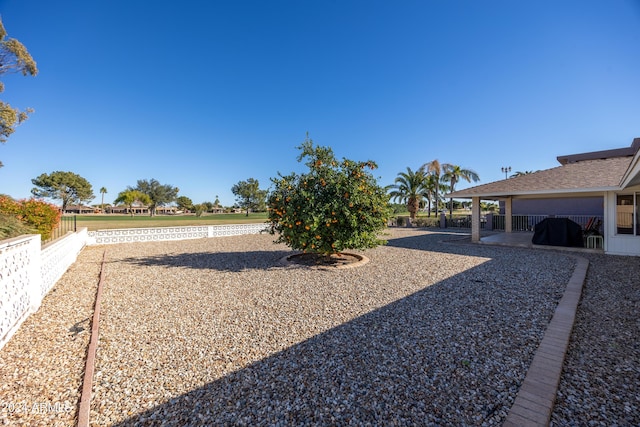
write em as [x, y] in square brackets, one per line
[528, 222]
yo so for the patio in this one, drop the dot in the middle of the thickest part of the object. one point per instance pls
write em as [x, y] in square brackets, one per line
[522, 239]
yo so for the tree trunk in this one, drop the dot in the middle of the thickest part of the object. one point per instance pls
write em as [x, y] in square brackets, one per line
[412, 207]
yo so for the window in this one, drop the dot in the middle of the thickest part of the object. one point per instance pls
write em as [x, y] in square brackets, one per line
[627, 214]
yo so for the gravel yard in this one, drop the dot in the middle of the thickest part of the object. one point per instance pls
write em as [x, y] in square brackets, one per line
[600, 384]
[215, 331]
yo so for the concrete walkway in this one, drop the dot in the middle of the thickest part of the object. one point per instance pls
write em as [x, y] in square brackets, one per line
[522, 239]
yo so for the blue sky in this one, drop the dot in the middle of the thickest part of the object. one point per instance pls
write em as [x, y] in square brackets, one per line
[203, 94]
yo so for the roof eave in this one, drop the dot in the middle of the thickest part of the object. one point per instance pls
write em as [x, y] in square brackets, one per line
[462, 195]
[632, 174]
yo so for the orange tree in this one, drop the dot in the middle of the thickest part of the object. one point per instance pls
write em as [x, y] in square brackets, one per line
[336, 205]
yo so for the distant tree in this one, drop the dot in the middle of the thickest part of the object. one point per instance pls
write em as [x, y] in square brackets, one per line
[14, 58]
[65, 186]
[430, 186]
[103, 191]
[159, 194]
[409, 188]
[488, 206]
[129, 197]
[208, 206]
[397, 208]
[249, 196]
[184, 203]
[216, 202]
[453, 175]
[434, 169]
[200, 209]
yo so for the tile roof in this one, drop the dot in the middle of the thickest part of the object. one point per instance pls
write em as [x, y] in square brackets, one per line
[579, 177]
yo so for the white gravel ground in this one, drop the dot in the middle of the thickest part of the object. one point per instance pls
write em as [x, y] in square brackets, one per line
[215, 332]
[600, 384]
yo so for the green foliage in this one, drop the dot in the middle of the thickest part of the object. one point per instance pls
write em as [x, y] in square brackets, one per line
[40, 215]
[31, 215]
[249, 196]
[14, 57]
[103, 191]
[159, 194]
[397, 208]
[453, 175]
[65, 186]
[8, 206]
[409, 187]
[427, 222]
[184, 203]
[333, 207]
[200, 209]
[130, 197]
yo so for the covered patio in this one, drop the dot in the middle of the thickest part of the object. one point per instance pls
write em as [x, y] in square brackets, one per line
[611, 178]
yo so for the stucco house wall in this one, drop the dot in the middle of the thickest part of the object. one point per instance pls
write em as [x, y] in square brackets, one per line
[593, 206]
[619, 244]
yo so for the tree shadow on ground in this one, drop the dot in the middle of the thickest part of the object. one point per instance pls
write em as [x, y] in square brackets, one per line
[437, 241]
[222, 261]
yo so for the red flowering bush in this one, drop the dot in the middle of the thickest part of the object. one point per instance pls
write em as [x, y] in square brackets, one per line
[8, 206]
[36, 214]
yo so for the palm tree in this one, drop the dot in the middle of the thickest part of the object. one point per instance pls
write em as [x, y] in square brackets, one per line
[433, 168]
[430, 188]
[409, 188]
[453, 174]
[103, 191]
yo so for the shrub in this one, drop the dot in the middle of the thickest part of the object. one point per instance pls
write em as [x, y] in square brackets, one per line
[333, 207]
[42, 216]
[10, 226]
[8, 206]
[200, 209]
[427, 222]
[35, 215]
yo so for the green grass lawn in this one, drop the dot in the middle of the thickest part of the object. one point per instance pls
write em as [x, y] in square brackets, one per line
[107, 221]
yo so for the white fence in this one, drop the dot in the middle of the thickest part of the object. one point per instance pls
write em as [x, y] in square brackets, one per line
[29, 270]
[130, 235]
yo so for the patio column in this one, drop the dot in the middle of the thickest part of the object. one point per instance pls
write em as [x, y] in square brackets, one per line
[508, 227]
[475, 219]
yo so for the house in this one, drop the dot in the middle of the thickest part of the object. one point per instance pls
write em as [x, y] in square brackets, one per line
[603, 181]
[140, 209]
[79, 210]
